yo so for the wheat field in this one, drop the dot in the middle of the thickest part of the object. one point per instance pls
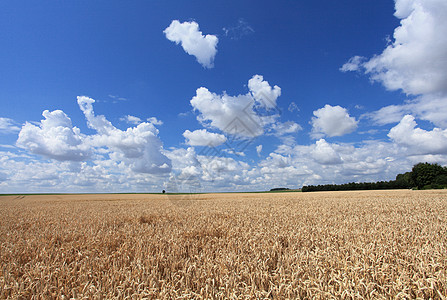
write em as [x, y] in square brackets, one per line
[349, 245]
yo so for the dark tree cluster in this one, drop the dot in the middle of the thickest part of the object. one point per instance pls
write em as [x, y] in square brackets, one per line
[353, 186]
[279, 189]
[429, 176]
[422, 176]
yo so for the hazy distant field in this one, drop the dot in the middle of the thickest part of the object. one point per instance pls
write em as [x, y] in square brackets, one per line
[344, 244]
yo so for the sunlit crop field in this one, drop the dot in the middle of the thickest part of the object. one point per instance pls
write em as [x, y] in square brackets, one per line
[379, 244]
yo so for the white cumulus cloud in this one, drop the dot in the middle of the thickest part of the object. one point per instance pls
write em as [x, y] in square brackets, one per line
[238, 115]
[325, 154]
[203, 137]
[414, 62]
[332, 121]
[263, 93]
[203, 47]
[139, 147]
[419, 141]
[54, 138]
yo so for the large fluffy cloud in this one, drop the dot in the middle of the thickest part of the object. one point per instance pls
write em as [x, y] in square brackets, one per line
[55, 138]
[415, 62]
[419, 141]
[230, 114]
[239, 115]
[204, 138]
[206, 171]
[139, 146]
[26, 174]
[325, 162]
[203, 47]
[332, 121]
[325, 154]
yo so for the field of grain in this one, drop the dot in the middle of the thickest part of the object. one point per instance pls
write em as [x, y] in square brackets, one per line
[380, 244]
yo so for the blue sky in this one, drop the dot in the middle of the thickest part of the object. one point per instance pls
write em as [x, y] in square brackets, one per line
[120, 96]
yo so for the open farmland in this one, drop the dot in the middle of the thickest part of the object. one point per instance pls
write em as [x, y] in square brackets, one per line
[369, 244]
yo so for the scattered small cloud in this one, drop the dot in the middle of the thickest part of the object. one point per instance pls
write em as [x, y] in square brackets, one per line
[185, 114]
[155, 121]
[203, 47]
[233, 152]
[353, 64]
[259, 150]
[241, 29]
[281, 129]
[263, 93]
[370, 132]
[332, 121]
[8, 126]
[116, 99]
[131, 120]
[293, 107]
[202, 137]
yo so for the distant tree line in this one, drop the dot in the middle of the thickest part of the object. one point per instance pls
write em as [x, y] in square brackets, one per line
[422, 176]
[279, 189]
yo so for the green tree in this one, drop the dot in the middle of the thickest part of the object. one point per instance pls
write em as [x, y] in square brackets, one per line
[404, 180]
[424, 174]
[441, 180]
